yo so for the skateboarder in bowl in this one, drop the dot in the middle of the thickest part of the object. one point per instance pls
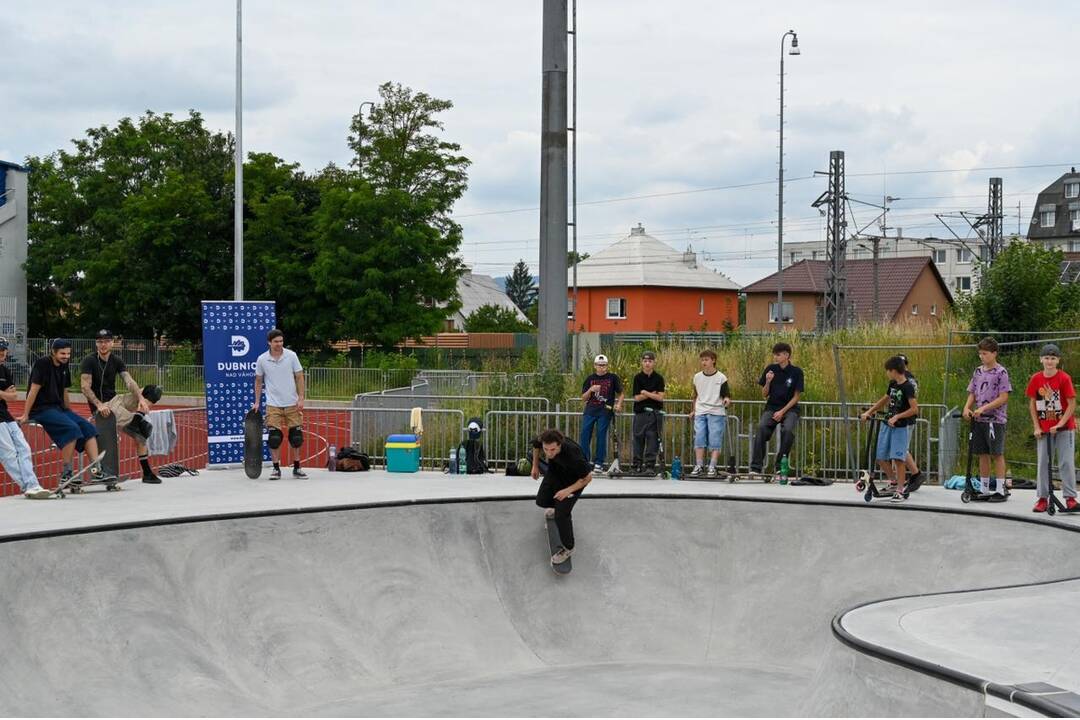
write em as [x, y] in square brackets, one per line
[568, 472]
[280, 369]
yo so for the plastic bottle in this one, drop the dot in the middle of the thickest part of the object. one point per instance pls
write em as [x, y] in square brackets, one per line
[785, 470]
[462, 465]
[331, 462]
[676, 468]
[453, 461]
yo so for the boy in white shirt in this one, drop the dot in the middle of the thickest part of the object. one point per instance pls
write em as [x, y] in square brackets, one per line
[711, 396]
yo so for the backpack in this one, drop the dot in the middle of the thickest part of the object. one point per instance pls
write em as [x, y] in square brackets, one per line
[351, 460]
[475, 458]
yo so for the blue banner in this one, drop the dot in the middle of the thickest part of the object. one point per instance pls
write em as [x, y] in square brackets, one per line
[234, 335]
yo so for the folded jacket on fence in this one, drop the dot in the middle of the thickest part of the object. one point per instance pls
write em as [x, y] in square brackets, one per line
[163, 439]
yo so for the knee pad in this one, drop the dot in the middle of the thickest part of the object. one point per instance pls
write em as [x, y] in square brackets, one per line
[296, 437]
[274, 438]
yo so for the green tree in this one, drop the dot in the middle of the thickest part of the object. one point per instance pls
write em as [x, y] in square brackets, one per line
[1022, 291]
[495, 319]
[130, 229]
[520, 287]
[573, 258]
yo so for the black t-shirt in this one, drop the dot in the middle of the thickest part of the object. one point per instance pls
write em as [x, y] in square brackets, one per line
[653, 383]
[6, 381]
[568, 466]
[53, 380]
[102, 374]
[785, 383]
[900, 397]
[610, 388]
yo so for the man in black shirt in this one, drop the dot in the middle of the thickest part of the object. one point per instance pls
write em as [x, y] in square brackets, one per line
[648, 392]
[781, 386]
[47, 404]
[15, 452]
[568, 472]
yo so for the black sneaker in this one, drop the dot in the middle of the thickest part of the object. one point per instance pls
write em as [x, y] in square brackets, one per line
[150, 478]
[275, 474]
[298, 473]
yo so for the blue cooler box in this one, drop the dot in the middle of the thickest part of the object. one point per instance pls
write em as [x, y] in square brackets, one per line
[402, 453]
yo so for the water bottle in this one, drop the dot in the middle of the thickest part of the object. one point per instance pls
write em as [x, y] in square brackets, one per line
[676, 468]
[331, 463]
[462, 465]
[453, 461]
[785, 470]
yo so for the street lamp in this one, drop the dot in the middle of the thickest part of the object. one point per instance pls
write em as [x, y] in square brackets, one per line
[360, 132]
[793, 50]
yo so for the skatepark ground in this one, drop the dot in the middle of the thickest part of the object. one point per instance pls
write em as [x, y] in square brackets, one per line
[429, 594]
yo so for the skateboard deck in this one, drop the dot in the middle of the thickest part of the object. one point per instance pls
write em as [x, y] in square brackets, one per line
[108, 443]
[67, 485]
[110, 483]
[554, 543]
[253, 445]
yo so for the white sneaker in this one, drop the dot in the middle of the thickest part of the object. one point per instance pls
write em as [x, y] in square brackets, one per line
[711, 472]
[696, 472]
[549, 513]
[38, 493]
[561, 555]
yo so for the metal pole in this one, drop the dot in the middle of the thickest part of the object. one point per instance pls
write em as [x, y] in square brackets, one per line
[843, 402]
[573, 180]
[238, 190]
[553, 181]
[780, 193]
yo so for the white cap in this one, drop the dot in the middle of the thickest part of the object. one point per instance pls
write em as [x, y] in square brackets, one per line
[474, 425]
[600, 360]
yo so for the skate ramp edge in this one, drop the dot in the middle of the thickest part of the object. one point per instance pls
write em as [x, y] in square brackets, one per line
[675, 606]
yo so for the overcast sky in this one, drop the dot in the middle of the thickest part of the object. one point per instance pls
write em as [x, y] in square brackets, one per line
[673, 97]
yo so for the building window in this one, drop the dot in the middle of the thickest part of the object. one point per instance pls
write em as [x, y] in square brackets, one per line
[1074, 246]
[915, 308]
[941, 257]
[963, 283]
[856, 254]
[616, 308]
[1072, 189]
[789, 312]
[794, 258]
[1074, 218]
[1047, 218]
[813, 254]
[963, 256]
[570, 308]
[933, 310]
[701, 306]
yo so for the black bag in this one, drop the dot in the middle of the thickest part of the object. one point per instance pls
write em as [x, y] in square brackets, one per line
[351, 460]
[475, 458]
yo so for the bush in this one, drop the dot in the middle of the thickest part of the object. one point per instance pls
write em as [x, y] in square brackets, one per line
[495, 319]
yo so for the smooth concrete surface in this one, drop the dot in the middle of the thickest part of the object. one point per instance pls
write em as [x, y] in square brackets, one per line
[677, 605]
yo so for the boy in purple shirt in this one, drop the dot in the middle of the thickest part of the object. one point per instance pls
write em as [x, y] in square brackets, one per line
[989, 392]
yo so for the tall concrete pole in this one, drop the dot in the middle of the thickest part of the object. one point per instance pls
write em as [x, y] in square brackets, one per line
[238, 190]
[553, 185]
[780, 189]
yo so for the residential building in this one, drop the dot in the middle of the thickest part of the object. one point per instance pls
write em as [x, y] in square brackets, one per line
[13, 244]
[641, 284]
[476, 291]
[909, 289]
[1055, 221]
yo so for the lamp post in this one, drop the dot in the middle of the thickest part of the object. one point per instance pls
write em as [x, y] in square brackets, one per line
[794, 50]
[238, 188]
[360, 134]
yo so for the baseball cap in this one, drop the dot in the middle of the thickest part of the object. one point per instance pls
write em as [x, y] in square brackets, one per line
[648, 355]
[600, 360]
[60, 344]
[103, 334]
[1050, 349]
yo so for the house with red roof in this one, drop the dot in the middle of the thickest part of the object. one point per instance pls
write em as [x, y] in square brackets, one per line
[908, 289]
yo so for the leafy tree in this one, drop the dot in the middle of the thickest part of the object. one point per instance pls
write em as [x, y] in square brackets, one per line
[520, 287]
[1021, 291]
[573, 258]
[129, 227]
[495, 319]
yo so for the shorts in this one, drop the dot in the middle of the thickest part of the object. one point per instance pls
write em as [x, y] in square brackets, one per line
[709, 431]
[63, 426]
[981, 441]
[283, 418]
[892, 442]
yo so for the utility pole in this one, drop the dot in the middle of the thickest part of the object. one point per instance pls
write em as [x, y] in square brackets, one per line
[780, 189]
[575, 353]
[834, 314]
[238, 187]
[995, 236]
[553, 190]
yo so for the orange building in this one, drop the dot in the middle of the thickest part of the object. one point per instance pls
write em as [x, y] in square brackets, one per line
[640, 284]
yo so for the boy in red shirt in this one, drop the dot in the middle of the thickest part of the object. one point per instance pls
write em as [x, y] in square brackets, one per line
[1052, 402]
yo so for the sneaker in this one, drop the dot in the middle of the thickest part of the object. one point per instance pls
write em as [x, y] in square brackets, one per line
[1070, 503]
[598, 468]
[549, 513]
[275, 474]
[150, 478]
[1040, 505]
[696, 472]
[561, 555]
[711, 472]
[38, 493]
[298, 473]
[898, 497]
[636, 468]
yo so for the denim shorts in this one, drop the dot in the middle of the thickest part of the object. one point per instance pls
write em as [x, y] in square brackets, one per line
[63, 426]
[709, 431]
[892, 442]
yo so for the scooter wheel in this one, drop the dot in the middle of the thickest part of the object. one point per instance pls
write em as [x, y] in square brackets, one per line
[731, 479]
[965, 497]
[868, 495]
[860, 486]
[1051, 510]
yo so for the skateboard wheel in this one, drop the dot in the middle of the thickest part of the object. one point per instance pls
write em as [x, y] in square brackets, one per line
[860, 486]
[965, 497]
[731, 479]
[868, 495]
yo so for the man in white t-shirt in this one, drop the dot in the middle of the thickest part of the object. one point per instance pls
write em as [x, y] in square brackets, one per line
[280, 369]
[711, 396]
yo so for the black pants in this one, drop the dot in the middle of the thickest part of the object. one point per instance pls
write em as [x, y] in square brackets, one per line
[545, 498]
[646, 437]
[766, 427]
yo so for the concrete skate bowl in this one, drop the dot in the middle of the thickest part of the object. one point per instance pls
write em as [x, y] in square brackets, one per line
[676, 606]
